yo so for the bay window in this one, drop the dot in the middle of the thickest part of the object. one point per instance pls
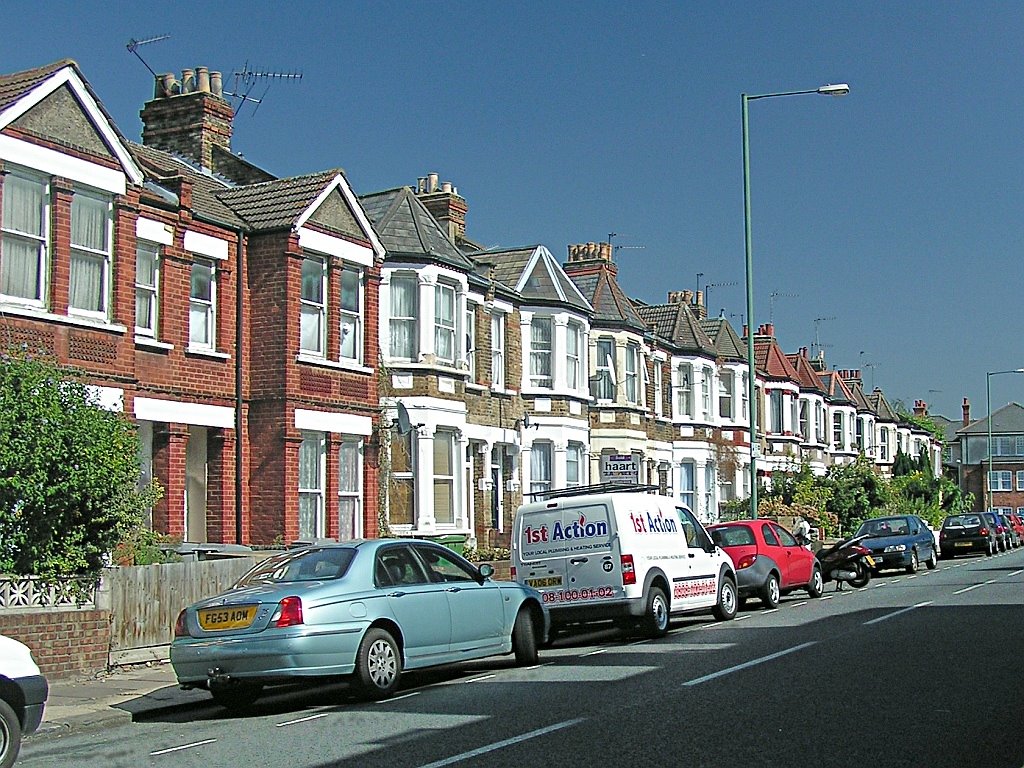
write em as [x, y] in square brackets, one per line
[351, 314]
[684, 390]
[24, 233]
[401, 485]
[402, 322]
[498, 351]
[725, 384]
[659, 395]
[573, 343]
[603, 385]
[574, 465]
[540, 468]
[91, 236]
[202, 305]
[313, 306]
[147, 282]
[632, 374]
[707, 374]
[444, 477]
[541, 343]
[471, 341]
[775, 398]
[444, 323]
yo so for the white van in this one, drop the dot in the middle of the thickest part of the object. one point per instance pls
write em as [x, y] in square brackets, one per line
[626, 556]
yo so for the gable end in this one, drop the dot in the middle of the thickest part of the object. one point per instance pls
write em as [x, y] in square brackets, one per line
[60, 119]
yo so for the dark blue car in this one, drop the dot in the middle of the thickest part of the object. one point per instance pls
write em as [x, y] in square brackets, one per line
[899, 541]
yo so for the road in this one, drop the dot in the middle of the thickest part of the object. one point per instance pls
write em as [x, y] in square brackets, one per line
[922, 670]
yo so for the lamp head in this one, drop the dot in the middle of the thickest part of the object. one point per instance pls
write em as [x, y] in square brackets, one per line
[839, 89]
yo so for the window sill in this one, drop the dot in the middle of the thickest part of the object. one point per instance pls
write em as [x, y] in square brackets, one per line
[541, 392]
[39, 313]
[337, 365]
[407, 365]
[151, 343]
[210, 353]
[476, 387]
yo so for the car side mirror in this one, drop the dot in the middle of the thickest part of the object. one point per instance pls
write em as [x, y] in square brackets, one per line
[486, 570]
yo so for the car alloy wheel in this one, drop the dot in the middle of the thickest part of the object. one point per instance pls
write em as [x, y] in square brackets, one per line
[817, 584]
[378, 664]
[770, 592]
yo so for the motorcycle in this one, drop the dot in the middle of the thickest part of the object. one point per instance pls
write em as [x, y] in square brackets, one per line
[847, 562]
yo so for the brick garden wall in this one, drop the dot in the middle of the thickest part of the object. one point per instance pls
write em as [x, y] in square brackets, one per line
[65, 643]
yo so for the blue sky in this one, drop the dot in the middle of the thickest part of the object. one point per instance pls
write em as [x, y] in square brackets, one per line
[895, 211]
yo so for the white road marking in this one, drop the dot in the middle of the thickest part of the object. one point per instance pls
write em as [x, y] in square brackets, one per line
[1016, 573]
[746, 664]
[399, 698]
[183, 746]
[480, 679]
[975, 586]
[504, 743]
[796, 605]
[897, 613]
[594, 653]
[300, 720]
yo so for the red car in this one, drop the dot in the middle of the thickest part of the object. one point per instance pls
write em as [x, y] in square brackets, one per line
[769, 561]
[1017, 526]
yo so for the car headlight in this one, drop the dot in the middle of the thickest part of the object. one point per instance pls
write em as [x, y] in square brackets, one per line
[896, 548]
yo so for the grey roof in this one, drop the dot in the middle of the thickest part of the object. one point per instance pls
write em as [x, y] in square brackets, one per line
[277, 204]
[546, 282]
[611, 306]
[727, 342]
[860, 398]
[948, 426]
[880, 405]
[17, 84]
[161, 166]
[1008, 420]
[836, 390]
[677, 324]
[407, 229]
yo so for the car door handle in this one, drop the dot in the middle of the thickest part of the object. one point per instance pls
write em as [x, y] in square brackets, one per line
[454, 589]
[579, 560]
[396, 594]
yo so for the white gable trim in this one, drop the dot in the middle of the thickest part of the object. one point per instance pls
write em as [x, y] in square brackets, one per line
[68, 76]
[341, 184]
[335, 246]
[543, 254]
[53, 163]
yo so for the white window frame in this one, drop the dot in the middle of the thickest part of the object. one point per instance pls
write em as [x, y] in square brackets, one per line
[706, 376]
[470, 337]
[687, 482]
[778, 424]
[313, 308]
[542, 380]
[104, 255]
[207, 306]
[498, 350]
[406, 477]
[411, 321]
[632, 373]
[446, 328]
[604, 370]
[1000, 480]
[726, 384]
[351, 322]
[838, 430]
[350, 498]
[574, 457]
[573, 351]
[745, 396]
[684, 391]
[442, 517]
[312, 448]
[41, 241]
[1020, 479]
[148, 294]
[659, 395]
[541, 457]
[804, 419]
[883, 444]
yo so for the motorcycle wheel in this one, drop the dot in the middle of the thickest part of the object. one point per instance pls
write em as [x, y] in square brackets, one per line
[863, 576]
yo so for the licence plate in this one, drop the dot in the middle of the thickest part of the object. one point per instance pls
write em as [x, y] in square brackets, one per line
[550, 581]
[962, 544]
[235, 617]
[872, 561]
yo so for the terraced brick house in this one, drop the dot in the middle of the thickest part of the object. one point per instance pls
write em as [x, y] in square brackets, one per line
[811, 414]
[886, 422]
[865, 430]
[840, 418]
[778, 402]
[553, 368]
[223, 310]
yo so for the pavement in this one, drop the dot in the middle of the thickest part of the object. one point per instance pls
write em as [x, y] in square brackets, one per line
[114, 698]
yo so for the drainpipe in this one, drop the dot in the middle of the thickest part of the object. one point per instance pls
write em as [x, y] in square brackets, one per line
[239, 351]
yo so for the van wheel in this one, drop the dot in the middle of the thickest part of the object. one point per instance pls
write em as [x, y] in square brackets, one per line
[10, 735]
[524, 638]
[656, 614]
[725, 609]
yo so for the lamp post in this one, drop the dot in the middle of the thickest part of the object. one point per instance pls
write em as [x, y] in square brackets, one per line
[988, 412]
[840, 89]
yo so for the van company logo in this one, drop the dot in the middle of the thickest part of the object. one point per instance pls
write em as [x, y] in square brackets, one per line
[577, 529]
[653, 523]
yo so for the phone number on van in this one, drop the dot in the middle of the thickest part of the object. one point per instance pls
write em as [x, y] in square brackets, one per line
[572, 595]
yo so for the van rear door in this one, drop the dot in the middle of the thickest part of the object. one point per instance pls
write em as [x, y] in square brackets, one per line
[566, 554]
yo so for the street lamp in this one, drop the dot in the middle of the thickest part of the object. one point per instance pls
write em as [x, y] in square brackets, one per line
[988, 411]
[840, 89]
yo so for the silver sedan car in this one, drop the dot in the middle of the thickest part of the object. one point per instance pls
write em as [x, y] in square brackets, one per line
[367, 609]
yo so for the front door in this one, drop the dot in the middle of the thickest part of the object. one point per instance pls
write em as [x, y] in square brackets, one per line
[195, 485]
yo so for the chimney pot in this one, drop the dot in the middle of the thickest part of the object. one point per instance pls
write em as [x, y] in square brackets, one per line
[431, 182]
[188, 80]
[446, 187]
[203, 79]
[217, 84]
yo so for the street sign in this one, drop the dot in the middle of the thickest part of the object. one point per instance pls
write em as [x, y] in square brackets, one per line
[620, 468]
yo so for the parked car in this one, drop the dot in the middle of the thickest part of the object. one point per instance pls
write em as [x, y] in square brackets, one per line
[1012, 540]
[999, 526]
[369, 609]
[965, 533]
[899, 541]
[23, 691]
[769, 561]
[1017, 526]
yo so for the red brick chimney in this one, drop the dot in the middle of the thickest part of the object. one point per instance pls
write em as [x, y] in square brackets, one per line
[967, 411]
[920, 408]
[445, 205]
[188, 117]
[590, 258]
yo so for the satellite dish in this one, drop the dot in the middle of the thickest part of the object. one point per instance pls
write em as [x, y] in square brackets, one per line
[404, 424]
[526, 421]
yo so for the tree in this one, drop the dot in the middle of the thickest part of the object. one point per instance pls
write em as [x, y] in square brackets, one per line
[69, 472]
[857, 492]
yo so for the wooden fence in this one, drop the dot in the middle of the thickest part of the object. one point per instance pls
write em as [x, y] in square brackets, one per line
[144, 602]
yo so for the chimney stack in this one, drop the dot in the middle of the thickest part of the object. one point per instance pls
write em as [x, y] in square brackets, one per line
[188, 117]
[445, 204]
[967, 411]
[920, 408]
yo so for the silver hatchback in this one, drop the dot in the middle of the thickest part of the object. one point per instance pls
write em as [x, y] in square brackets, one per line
[366, 609]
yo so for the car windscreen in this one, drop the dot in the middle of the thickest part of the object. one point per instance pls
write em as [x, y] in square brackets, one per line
[308, 564]
[732, 536]
[961, 521]
[885, 526]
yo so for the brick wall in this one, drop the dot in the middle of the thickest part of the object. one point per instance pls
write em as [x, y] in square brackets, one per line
[64, 643]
